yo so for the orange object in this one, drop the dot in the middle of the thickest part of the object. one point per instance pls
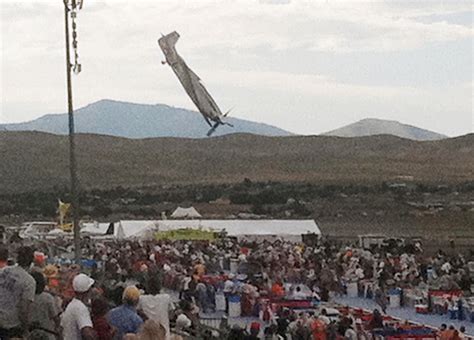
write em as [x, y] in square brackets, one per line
[277, 289]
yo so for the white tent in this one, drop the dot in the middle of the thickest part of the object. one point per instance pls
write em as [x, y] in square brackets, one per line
[250, 229]
[185, 213]
[94, 228]
[134, 229]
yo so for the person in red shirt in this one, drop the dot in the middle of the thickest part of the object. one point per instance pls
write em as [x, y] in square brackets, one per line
[99, 309]
[3, 257]
[318, 328]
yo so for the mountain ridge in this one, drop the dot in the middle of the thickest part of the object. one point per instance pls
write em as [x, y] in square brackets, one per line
[373, 126]
[137, 121]
[132, 120]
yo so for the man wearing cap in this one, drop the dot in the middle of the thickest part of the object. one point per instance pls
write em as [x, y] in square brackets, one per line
[17, 291]
[125, 317]
[76, 320]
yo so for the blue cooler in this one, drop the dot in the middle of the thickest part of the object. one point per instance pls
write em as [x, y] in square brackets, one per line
[234, 306]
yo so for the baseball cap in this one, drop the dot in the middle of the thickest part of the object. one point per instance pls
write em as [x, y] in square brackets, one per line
[182, 321]
[131, 293]
[82, 283]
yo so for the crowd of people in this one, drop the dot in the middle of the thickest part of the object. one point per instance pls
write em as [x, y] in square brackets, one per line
[116, 292]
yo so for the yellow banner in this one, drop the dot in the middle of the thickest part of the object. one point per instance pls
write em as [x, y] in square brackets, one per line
[185, 234]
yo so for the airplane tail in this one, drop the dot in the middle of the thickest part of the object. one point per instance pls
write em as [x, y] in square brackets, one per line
[214, 127]
[220, 122]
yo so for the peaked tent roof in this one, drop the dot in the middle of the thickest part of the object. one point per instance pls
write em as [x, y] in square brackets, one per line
[95, 228]
[185, 213]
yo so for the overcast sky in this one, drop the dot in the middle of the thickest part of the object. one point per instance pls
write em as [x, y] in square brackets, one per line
[305, 66]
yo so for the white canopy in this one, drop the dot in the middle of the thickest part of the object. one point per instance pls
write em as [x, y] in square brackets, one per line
[185, 213]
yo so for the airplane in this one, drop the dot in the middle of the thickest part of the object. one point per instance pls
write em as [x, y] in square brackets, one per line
[192, 83]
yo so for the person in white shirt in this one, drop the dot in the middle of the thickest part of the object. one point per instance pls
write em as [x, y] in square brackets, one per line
[359, 272]
[229, 287]
[156, 306]
[76, 320]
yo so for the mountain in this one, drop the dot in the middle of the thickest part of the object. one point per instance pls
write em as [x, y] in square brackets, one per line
[122, 119]
[39, 161]
[372, 126]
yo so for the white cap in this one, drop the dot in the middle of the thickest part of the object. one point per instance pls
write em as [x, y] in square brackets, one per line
[182, 321]
[82, 283]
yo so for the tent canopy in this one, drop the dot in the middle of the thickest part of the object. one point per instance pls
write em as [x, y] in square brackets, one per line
[134, 229]
[95, 228]
[185, 213]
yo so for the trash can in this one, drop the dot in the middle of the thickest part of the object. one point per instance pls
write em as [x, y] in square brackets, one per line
[394, 297]
[234, 264]
[352, 289]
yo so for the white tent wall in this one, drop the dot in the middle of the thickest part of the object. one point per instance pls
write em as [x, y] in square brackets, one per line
[250, 229]
[287, 229]
[134, 229]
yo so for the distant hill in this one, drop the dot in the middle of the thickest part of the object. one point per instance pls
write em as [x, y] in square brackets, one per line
[39, 161]
[372, 126]
[122, 119]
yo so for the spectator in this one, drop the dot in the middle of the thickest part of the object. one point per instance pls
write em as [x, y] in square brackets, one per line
[376, 321]
[381, 299]
[99, 308]
[3, 257]
[151, 330]
[76, 320]
[44, 311]
[17, 292]
[254, 331]
[157, 306]
[125, 318]
[318, 328]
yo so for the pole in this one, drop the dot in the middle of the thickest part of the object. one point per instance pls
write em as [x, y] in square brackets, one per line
[72, 155]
